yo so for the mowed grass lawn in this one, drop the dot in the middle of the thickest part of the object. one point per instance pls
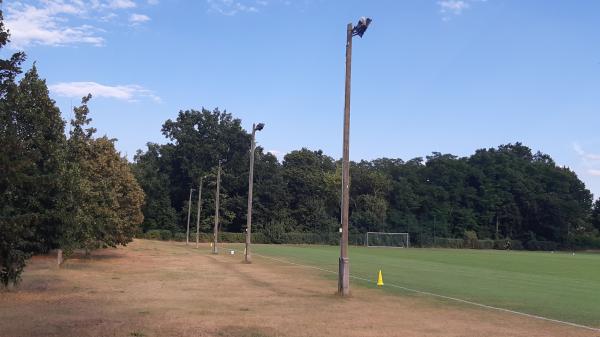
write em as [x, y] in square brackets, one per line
[554, 285]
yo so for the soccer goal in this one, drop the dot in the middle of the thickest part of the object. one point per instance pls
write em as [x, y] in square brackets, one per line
[382, 239]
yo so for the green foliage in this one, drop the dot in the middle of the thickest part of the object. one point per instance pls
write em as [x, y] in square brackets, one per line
[596, 215]
[14, 233]
[159, 234]
[105, 198]
[158, 212]
[32, 166]
[55, 193]
[313, 204]
[541, 245]
[199, 139]
[497, 194]
[470, 238]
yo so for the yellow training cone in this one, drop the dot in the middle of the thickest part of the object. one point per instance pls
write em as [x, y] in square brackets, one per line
[380, 279]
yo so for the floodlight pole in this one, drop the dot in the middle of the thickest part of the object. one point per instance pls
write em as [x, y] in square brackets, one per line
[187, 236]
[199, 210]
[217, 193]
[434, 223]
[344, 262]
[247, 256]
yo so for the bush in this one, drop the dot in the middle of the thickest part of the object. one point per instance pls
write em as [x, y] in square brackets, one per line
[586, 242]
[449, 243]
[512, 244]
[541, 245]
[153, 234]
[470, 239]
[181, 237]
[158, 234]
[485, 244]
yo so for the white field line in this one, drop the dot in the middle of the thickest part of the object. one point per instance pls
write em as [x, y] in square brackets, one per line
[440, 296]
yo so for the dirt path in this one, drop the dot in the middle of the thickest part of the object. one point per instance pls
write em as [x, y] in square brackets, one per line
[165, 289]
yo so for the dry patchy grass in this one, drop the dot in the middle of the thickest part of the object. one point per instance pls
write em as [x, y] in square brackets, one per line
[153, 288]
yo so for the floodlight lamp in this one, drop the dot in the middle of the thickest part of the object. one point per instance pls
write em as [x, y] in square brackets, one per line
[361, 27]
[259, 126]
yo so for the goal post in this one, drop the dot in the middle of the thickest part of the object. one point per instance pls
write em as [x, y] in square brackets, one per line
[384, 239]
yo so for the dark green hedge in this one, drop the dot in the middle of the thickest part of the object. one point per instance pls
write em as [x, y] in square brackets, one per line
[355, 239]
[358, 239]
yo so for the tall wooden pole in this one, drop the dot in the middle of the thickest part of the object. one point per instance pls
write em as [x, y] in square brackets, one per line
[344, 263]
[216, 229]
[199, 210]
[248, 257]
[187, 236]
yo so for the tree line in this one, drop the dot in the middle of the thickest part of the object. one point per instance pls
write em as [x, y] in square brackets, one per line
[508, 192]
[56, 191]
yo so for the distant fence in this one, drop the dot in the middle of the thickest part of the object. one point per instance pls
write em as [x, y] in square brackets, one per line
[359, 240]
[284, 238]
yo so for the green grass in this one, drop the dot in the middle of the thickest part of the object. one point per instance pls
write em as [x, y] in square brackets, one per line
[559, 286]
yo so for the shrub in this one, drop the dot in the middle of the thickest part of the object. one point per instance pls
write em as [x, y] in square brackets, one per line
[485, 244]
[449, 243]
[153, 234]
[541, 245]
[470, 238]
[586, 242]
[181, 237]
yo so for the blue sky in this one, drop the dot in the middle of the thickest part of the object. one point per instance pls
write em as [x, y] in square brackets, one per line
[430, 75]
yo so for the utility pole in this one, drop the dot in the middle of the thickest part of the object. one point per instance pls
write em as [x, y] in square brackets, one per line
[217, 194]
[344, 262]
[199, 210]
[247, 256]
[187, 236]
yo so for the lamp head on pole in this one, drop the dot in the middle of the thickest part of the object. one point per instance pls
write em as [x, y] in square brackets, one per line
[259, 126]
[361, 27]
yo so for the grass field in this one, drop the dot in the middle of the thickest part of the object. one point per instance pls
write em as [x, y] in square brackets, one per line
[155, 289]
[560, 286]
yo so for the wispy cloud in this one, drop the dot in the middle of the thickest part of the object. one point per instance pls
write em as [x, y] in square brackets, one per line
[450, 8]
[121, 4]
[47, 25]
[130, 93]
[585, 155]
[590, 161]
[136, 19]
[61, 22]
[232, 7]
[594, 172]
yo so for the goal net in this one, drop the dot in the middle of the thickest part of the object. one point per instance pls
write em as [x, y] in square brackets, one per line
[382, 239]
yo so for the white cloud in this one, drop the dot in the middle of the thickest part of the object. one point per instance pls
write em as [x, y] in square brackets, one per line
[453, 6]
[585, 155]
[121, 4]
[590, 161]
[60, 22]
[130, 93]
[449, 8]
[232, 7]
[138, 18]
[594, 172]
[46, 25]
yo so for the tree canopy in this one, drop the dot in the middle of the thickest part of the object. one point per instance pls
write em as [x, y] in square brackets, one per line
[508, 192]
[56, 192]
